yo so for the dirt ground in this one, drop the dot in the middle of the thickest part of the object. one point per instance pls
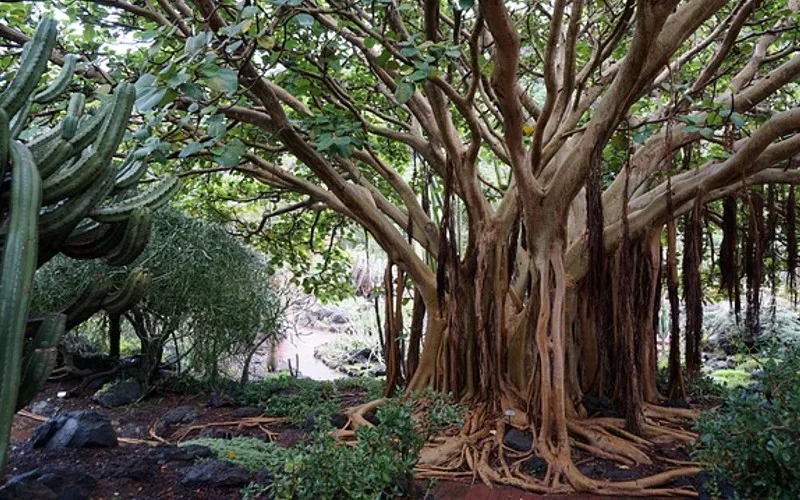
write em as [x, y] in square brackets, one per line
[136, 425]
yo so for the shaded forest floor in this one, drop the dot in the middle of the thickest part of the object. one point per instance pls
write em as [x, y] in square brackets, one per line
[136, 467]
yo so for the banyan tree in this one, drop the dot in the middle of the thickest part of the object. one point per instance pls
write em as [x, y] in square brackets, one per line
[538, 173]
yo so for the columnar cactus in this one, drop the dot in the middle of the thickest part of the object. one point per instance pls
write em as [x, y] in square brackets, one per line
[63, 191]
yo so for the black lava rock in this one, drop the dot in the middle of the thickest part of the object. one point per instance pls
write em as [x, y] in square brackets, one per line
[215, 473]
[76, 429]
[518, 440]
[118, 393]
[49, 483]
[179, 415]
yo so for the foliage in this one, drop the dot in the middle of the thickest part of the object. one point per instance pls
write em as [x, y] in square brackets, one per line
[379, 463]
[209, 292]
[295, 399]
[778, 330]
[436, 412]
[249, 452]
[754, 439]
[702, 386]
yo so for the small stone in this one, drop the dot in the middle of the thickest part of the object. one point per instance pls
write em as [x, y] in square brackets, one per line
[76, 429]
[49, 483]
[247, 412]
[216, 400]
[215, 473]
[42, 407]
[360, 357]
[179, 415]
[139, 469]
[339, 318]
[118, 393]
[534, 466]
[518, 440]
[676, 403]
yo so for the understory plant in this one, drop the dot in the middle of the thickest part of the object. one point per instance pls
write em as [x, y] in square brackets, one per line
[753, 440]
[211, 304]
[380, 463]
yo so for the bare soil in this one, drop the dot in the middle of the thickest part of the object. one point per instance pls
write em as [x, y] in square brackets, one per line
[137, 424]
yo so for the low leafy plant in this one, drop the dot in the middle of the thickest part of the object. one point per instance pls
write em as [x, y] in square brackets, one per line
[701, 386]
[753, 440]
[251, 453]
[295, 399]
[381, 462]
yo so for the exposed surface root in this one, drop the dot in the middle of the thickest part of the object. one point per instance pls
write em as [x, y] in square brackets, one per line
[478, 453]
[356, 414]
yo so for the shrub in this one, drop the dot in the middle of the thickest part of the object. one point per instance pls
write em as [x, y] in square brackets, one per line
[753, 440]
[210, 295]
[295, 399]
[380, 463]
[251, 453]
[701, 386]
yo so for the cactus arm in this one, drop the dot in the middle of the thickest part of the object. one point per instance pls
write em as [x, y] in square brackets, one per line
[61, 82]
[33, 64]
[135, 239]
[59, 221]
[130, 173]
[89, 127]
[19, 120]
[16, 281]
[153, 198]
[88, 302]
[97, 245]
[40, 358]
[4, 132]
[129, 294]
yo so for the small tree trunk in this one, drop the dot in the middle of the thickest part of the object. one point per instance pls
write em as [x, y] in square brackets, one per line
[676, 388]
[415, 335]
[692, 290]
[114, 323]
[393, 329]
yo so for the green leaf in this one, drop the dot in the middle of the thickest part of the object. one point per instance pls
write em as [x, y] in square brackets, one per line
[221, 79]
[148, 95]
[304, 19]
[216, 126]
[232, 154]
[191, 149]
[370, 42]
[404, 91]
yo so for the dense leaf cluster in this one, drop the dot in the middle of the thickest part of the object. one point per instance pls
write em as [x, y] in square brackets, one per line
[754, 439]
